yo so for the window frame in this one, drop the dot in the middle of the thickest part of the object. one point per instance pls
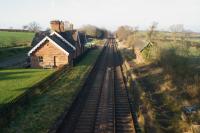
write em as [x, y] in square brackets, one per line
[40, 59]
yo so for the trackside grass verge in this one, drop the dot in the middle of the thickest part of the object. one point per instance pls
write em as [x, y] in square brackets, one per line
[41, 113]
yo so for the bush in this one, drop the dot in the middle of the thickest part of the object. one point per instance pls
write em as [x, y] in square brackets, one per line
[178, 59]
[173, 62]
[151, 53]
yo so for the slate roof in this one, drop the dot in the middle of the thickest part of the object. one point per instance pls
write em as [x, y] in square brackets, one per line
[61, 43]
[82, 38]
[39, 36]
[70, 36]
[67, 35]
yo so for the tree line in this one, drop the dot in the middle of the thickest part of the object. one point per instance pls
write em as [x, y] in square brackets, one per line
[129, 34]
[94, 31]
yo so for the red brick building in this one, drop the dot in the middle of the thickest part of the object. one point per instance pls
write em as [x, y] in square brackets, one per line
[56, 48]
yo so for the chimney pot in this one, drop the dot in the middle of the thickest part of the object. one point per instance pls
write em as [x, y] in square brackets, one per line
[56, 26]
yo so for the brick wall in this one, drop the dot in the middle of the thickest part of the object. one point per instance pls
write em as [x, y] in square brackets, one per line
[51, 56]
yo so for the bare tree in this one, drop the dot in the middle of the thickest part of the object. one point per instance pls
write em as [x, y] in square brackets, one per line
[135, 31]
[131, 39]
[89, 30]
[48, 29]
[152, 31]
[94, 31]
[25, 27]
[187, 34]
[175, 29]
[34, 26]
[123, 32]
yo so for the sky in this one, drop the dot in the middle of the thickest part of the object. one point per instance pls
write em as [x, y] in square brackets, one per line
[103, 13]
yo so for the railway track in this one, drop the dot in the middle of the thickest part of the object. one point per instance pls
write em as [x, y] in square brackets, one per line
[102, 106]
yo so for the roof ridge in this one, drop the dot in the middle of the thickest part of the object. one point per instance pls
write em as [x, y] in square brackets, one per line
[57, 34]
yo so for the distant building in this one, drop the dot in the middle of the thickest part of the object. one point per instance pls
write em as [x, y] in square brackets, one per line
[68, 25]
[56, 48]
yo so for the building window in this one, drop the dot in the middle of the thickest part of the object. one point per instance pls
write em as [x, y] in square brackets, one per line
[40, 58]
[54, 60]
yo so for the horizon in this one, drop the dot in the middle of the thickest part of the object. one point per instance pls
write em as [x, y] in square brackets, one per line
[105, 14]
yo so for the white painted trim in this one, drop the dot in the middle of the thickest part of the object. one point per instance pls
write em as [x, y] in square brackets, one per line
[63, 39]
[36, 46]
[43, 40]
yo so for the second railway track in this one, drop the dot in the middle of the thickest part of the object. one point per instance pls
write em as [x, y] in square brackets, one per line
[102, 106]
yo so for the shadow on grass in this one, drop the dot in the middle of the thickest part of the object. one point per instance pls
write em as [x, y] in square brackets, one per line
[11, 52]
[182, 70]
[154, 100]
[128, 54]
[20, 48]
[13, 75]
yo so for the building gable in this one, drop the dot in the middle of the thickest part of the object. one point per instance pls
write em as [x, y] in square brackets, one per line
[43, 41]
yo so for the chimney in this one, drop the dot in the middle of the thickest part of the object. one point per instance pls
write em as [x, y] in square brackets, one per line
[68, 26]
[57, 26]
[62, 26]
[71, 26]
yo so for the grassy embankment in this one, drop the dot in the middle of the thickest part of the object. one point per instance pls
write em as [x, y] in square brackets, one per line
[167, 81]
[14, 82]
[42, 112]
[177, 85]
[14, 39]
[12, 43]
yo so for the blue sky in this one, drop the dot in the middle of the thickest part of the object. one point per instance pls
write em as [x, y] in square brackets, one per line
[103, 13]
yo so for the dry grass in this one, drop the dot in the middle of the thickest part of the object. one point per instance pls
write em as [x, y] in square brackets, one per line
[168, 85]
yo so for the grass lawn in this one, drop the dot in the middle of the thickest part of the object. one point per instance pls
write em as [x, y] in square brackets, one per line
[42, 112]
[9, 53]
[10, 39]
[14, 43]
[14, 82]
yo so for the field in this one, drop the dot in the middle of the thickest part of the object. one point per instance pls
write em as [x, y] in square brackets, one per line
[167, 77]
[14, 47]
[11, 53]
[13, 39]
[42, 112]
[14, 82]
